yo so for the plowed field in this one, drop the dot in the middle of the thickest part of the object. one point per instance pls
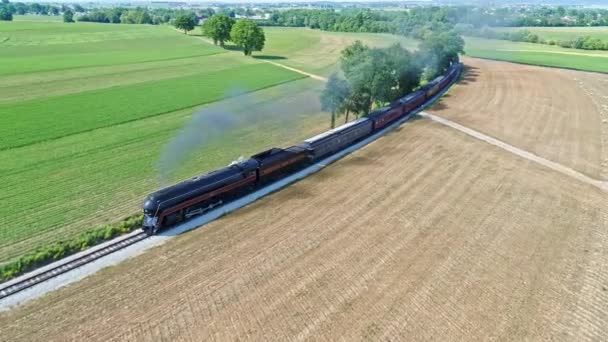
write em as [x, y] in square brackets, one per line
[561, 115]
[427, 234]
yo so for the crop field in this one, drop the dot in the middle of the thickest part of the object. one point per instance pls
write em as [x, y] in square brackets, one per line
[44, 119]
[87, 111]
[426, 233]
[561, 115]
[82, 135]
[537, 54]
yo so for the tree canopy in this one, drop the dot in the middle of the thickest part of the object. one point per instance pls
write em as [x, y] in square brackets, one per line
[5, 15]
[68, 16]
[334, 97]
[375, 77]
[185, 22]
[247, 35]
[440, 50]
[218, 28]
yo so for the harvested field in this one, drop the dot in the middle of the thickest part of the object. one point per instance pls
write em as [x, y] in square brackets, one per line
[561, 115]
[427, 234]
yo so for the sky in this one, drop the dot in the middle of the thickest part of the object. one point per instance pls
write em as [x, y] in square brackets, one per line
[500, 2]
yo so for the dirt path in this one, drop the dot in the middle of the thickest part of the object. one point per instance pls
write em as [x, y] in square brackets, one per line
[540, 110]
[426, 234]
[517, 151]
[313, 76]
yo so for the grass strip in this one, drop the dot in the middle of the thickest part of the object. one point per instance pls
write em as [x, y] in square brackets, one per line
[61, 249]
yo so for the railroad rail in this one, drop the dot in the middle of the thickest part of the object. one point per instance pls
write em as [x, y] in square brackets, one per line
[11, 287]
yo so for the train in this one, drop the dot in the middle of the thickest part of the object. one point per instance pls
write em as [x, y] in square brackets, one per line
[195, 196]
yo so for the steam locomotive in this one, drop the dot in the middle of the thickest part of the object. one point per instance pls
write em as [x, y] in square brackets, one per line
[195, 196]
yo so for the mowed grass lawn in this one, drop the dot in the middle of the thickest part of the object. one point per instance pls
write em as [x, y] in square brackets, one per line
[537, 54]
[86, 111]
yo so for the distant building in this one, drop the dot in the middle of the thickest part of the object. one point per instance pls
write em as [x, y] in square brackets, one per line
[253, 17]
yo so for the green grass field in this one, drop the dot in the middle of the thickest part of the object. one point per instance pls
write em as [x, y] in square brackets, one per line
[32, 121]
[562, 33]
[316, 51]
[41, 46]
[537, 54]
[86, 111]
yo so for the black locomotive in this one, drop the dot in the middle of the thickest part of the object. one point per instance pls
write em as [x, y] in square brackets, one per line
[198, 195]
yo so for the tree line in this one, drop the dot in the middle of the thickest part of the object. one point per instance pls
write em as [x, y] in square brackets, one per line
[8, 9]
[367, 20]
[113, 15]
[374, 77]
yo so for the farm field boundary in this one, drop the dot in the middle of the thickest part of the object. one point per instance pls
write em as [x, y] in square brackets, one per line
[519, 152]
[537, 54]
[515, 60]
[136, 249]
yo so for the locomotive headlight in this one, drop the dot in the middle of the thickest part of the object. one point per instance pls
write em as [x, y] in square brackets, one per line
[150, 221]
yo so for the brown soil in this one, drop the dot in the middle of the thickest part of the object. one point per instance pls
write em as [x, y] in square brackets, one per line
[561, 115]
[427, 234]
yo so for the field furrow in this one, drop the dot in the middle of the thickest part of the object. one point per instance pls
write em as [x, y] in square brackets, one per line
[426, 232]
[537, 109]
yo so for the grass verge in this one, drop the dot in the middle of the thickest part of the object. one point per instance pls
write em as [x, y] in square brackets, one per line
[55, 251]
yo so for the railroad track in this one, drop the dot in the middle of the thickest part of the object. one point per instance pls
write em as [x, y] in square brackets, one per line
[11, 287]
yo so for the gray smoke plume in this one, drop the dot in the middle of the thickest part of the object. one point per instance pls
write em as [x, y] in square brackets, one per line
[205, 126]
[275, 107]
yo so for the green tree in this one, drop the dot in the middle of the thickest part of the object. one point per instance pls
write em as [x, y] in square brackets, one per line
[68, 16]
[377, 76]
[407, 70]
[218, 28]
[440, 50]
[246, 34]
[352, 55]
[334, 97]
[5, 15]
[185, 22]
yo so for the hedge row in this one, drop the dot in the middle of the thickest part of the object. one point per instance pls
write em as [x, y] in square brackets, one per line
[57, 250]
